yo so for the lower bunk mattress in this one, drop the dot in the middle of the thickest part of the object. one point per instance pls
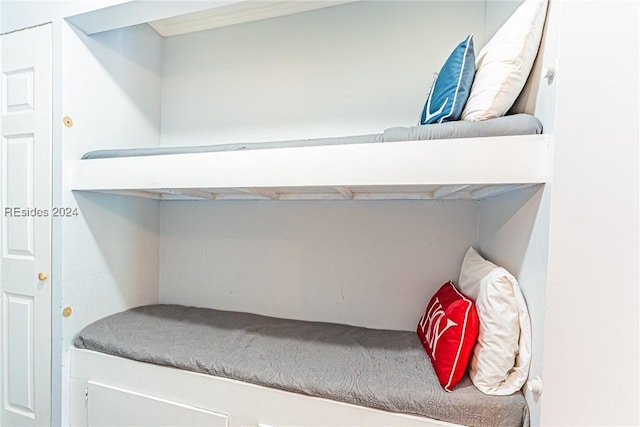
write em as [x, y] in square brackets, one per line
[381, 369]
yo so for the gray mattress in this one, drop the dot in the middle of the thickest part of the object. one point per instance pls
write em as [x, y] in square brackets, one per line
[517, 124]
[381, 369]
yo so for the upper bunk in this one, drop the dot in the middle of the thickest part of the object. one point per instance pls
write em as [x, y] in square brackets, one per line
[470, 168]
[443, 167]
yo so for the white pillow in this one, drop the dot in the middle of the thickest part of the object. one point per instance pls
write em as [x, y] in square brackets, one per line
[503, 65]
[502, 356]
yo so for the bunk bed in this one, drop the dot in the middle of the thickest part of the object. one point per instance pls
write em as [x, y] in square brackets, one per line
[131, 371]
[380, 369]
[405, 170]
[401, 163]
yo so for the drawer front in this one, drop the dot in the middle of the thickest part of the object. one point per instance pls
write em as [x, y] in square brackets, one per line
[114, 406]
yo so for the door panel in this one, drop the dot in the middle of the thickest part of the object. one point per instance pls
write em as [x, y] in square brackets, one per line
[18, 193]
[25, 230]
[20, 382]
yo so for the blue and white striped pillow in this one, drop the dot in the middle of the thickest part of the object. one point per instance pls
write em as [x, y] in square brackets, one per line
[451, 88]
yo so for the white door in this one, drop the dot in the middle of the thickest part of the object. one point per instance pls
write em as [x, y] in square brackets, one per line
[25, 233]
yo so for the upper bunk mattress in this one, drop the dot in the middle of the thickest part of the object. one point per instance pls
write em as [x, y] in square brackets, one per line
[517, 124]
[381, 369]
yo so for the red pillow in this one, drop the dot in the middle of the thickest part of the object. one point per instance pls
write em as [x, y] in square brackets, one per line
[448, 330]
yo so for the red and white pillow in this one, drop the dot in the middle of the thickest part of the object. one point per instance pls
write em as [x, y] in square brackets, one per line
[448, 331]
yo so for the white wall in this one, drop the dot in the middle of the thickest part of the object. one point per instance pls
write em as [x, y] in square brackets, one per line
[372, 264]
[591, 335]
[111, 92]
[514, 233]
[352, 69]
[108, 260]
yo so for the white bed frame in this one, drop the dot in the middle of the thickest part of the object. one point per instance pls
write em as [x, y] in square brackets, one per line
[108, 390]
[415, 170]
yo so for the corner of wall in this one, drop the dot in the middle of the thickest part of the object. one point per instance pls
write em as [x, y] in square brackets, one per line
[514, 233]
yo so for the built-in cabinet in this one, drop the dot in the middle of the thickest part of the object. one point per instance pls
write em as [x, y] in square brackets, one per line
[352, 68]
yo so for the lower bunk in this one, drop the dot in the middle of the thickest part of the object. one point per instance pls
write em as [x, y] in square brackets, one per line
[176, 365]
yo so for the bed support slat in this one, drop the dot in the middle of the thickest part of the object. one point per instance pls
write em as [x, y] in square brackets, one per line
[393, 196]
[192, 192]
[345, 192]
[448, 190]
[495, 190]
[146, 194]
[262, 192]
